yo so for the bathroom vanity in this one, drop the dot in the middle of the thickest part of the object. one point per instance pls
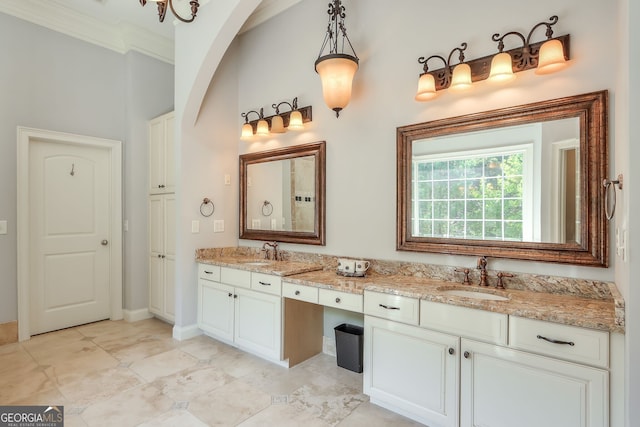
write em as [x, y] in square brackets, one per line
[439, 352]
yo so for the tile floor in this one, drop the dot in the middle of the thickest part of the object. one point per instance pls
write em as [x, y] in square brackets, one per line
[134, 374]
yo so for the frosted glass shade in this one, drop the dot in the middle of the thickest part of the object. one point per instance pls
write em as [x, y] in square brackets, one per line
[551, 57]
[263, 128]
[461, 78]
[277, 125]
[247, 132]
[295, 120]
[336, 73]
[501, 68]
[426, 88]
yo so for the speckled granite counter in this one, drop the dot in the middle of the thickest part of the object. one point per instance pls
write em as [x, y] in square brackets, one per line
[605, 313]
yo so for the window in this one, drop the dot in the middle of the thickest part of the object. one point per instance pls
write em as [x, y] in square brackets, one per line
[479, 194]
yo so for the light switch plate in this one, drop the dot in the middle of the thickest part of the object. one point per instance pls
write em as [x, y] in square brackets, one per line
[218, 226]
[195, 226]
[227, 179]
[3, 227]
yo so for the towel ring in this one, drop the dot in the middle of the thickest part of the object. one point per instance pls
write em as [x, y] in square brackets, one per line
[607, 183]
[267, 208]
[204, 209]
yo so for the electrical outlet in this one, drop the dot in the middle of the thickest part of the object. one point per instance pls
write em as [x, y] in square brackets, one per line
[227, 179]
[3, 227]
[218, 226]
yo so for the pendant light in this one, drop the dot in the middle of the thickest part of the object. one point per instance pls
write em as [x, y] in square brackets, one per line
[336, 69]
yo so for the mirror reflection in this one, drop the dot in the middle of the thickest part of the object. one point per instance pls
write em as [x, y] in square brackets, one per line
[281, 195]
[516, 183]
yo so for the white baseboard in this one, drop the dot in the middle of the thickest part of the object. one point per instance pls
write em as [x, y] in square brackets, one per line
[329, 346]
[135, 315]
[182, 333]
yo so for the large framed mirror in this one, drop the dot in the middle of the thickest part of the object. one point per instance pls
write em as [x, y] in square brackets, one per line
[282, 194]
[522, 182]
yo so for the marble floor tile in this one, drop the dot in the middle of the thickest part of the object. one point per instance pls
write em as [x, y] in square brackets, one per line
[284, 416]
[204, 348]
[237, 363]
[163, 364]
[229, 405]
[370, 415]
[174, 418]
[128, 408]
[277, 380]
[84, 389]
[189, 384]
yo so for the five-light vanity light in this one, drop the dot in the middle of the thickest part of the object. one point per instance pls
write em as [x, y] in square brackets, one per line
[280, 122]
[546, 57]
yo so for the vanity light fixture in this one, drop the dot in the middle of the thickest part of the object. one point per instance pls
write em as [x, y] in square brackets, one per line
[336, 68]
[547, 56]
[162, 9]
[280, 122]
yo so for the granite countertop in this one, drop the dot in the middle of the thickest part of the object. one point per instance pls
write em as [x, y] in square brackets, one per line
[602, 314]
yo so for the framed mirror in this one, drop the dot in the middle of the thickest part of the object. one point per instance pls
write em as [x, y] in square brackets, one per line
[282, 194]
[522, 182]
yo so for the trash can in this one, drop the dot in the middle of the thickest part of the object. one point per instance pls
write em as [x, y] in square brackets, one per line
[349, 346]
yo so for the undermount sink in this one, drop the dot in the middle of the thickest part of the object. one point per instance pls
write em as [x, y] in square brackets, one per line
[256, 263]
[475, 295]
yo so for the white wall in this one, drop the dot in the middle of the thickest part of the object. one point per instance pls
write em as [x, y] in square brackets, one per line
[52, 81]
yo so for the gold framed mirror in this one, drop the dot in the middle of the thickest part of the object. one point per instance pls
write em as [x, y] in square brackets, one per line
[282, 194]
[521, 182]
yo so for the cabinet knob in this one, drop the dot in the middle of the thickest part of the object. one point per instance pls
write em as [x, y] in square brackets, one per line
[230, 294]
[159, 256]
[105, 242]
[452, 351]
[297, 292]
[467, 355]
[163, 256]
[235, 296]
[338, 300]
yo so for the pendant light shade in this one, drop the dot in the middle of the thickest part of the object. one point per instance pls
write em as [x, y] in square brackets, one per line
[501, 68]
[426, 88]
[461, 78]
[277, 124]
[295, 120]
[336, 73]
[551, 57]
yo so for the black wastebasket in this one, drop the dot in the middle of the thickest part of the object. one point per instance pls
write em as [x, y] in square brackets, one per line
[349, 346]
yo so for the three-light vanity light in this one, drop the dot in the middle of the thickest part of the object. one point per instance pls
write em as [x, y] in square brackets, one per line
[280, 122]
[546, 57]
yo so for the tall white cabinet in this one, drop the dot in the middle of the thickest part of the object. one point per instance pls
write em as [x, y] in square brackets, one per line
[162, 217]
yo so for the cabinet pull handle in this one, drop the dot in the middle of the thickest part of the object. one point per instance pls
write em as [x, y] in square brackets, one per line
[265, 283]
[552, 341]
[208, 272]
[467, 355]
[297, 292]
[451, 351]
[388, 307]
[338, 300]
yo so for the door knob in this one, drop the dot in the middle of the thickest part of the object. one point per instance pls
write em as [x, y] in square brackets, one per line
[105, 242]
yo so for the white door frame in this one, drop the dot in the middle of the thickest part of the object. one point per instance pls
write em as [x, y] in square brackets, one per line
[25, 137]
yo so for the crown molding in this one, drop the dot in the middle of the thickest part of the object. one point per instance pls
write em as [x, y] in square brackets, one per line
[120, 38]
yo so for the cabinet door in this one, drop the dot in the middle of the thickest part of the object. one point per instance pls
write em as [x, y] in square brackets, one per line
[156, 225]
[501, 387]
[169, 154]
[258, 323]
[161, 154]
[215, 309]
[156, 284]
[412, 371]
[169, 288]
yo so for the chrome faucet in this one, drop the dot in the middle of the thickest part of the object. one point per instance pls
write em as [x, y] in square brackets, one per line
[273, 253]
[482, 266]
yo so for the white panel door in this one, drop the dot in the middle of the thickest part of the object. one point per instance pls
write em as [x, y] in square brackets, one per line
[501, 387]
[69, 196]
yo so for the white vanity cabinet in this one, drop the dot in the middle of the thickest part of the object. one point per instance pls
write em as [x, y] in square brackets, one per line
[230, 310]
[408, 369]
[503, 387]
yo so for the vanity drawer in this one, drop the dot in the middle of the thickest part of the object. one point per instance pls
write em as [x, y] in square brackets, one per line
[392, 307]
[589, 346]
[466, 322]
[234, 277]
[300, 292]
[209, 272]
[266, 283]
[343, 300]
